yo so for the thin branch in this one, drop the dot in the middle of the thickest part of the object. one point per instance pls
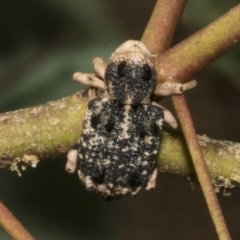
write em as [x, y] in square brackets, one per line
[204, 179]
[182, 62]
[222, 159]
[12, 226]
[162, 24]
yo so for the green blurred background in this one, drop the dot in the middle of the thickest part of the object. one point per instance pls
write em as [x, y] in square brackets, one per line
[42, 44]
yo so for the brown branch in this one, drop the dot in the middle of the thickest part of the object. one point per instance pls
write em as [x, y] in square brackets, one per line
[183, 61]
[162, 24]
[12, 226]
[185, 119]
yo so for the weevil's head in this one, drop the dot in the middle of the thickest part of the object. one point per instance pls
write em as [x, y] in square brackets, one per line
[130, 75]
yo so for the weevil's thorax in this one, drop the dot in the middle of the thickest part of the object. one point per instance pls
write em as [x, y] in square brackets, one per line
[130, 75]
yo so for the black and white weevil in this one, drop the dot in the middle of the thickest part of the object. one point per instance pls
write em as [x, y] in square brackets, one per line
[116, 153]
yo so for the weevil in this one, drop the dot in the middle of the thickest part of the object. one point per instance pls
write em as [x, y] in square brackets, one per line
[116, 152]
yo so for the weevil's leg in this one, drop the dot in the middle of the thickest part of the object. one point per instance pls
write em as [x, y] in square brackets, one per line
[168, 117]
[89, 80]
[72, 157]
[168, 88]
[152, 181]
[100, 66]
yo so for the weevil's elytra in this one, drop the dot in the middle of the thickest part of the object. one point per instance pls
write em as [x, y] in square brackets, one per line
[116, 153]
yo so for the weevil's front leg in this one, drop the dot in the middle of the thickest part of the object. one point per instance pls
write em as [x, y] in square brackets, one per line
[168, 117]
[100, 66]
[168, 88]
[89, 80]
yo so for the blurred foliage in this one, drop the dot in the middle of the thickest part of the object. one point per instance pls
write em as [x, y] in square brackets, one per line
[42, 44]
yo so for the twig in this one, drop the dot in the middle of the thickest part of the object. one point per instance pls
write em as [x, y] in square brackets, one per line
[185, 119]
[12, 226]
[162, 24]
[40, 132]
[183, 61]
[222, 159]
